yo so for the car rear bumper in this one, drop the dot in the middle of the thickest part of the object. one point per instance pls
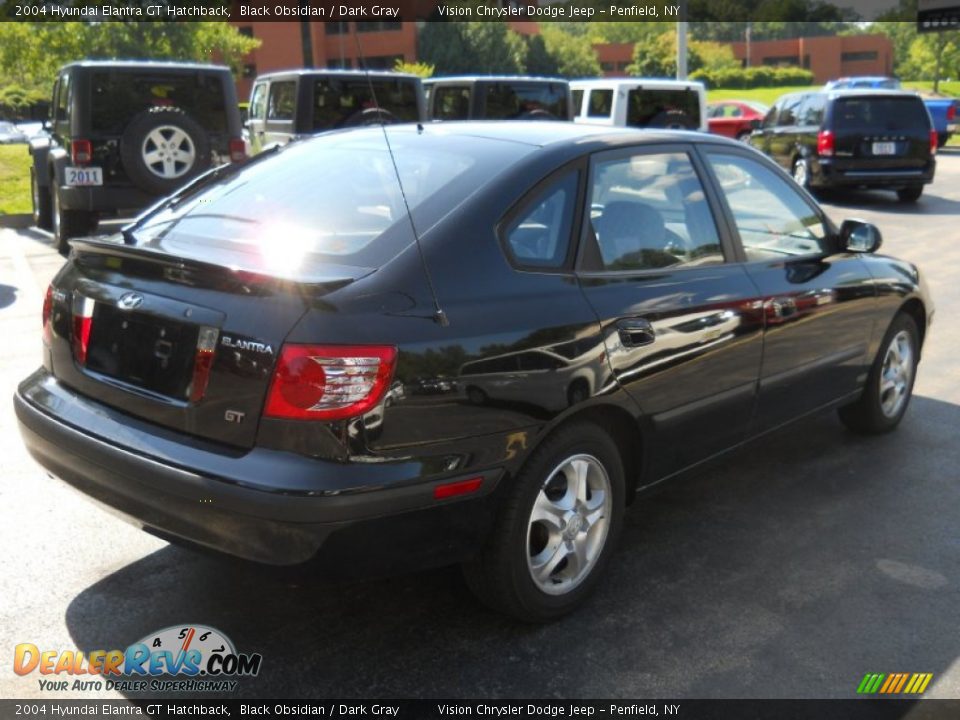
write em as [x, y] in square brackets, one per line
[360, 530]
[105, 198]
[829, 174]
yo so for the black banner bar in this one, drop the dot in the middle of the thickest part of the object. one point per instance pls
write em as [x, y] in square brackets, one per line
[852, 709]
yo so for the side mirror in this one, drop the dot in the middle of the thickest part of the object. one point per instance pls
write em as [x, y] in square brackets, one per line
[755, 124]
[860, 237]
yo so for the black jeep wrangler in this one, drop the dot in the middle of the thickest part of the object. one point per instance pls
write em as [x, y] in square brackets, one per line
[123, 134]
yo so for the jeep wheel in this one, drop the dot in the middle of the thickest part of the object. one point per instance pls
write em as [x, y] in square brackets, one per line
[41, 202]
[162, 149]
[672, 120]
[370, 116]
[66, 224]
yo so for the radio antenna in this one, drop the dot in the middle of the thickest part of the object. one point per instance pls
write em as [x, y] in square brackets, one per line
[439, 316]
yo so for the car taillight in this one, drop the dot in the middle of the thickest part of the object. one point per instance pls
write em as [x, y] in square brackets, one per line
[934, 142]
[238, 151]
[203, 361]
[951, 113]
[48, 315]
[825, 143]
[81, 151]
[82, 325]
[329, 382]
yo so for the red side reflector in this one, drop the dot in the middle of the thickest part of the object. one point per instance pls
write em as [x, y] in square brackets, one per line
[238, 151]
[461, 487]
[81, 151]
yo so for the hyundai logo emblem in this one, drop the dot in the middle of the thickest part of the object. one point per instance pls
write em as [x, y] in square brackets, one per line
[130, 301]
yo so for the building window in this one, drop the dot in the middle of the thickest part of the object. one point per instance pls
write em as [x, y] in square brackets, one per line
[382, 62]
[621, 66]
[246, 31]
[782, 60]
[858, 56]
[337, 28]
[250, 70]
[336, 63]
[379, 26]
[606, 66]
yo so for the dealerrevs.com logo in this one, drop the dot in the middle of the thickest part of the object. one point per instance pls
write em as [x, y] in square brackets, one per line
[180, 658]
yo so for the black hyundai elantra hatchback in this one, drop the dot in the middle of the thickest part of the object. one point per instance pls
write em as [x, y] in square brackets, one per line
[401, 347]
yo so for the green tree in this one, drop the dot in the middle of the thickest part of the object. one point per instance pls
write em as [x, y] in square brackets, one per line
[420, 69]
[933, 55]
[472, 47]
[572, 55]
[657, 57]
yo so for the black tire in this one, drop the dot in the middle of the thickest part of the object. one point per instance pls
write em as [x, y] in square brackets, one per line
[672, 119]
[136, 141]
[40, 195]
[910, 194]
[476, 396]
[370, 116]
[500, 576]
[579, 392]
[538, 114]
[66, 224]
[867, 415]
[801, 173]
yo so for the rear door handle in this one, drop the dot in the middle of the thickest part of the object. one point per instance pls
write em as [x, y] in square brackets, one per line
[636, 332]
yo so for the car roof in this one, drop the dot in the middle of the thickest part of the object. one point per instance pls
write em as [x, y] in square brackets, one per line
[544, 133]
[145, 64]
[634, 81]
[869, 92]
[335, 72]
[495, 78]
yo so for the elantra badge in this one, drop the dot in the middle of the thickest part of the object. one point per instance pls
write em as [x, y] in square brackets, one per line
[238, 344]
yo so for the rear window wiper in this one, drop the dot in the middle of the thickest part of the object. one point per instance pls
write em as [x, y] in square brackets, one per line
[128, 232]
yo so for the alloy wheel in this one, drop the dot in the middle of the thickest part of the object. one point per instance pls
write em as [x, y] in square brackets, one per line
[569, 524]
[168, 152]
[896, 374]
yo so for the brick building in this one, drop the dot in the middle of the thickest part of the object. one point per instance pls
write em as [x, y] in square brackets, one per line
[826, 57]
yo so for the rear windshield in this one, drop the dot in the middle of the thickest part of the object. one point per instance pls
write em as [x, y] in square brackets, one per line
[650, 107]
[507, 101]
[341, 102]
[117, 97]
[330, 201]
[880, 114]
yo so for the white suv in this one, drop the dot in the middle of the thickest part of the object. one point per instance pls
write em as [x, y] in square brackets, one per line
[640, 102]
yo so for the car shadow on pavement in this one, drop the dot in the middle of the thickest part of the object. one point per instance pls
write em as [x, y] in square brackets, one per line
[789, 569]
[886, 201]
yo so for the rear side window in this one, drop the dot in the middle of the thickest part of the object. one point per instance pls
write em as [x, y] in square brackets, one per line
[577, 101]
[451, 103]
[811, 110]
[663, 108]
[880, 114]
[788, 111]
[509, 100]
[339, 102]
[601, 103]
[258, 105]
[649, 211]
[119, 96]
[540, 235]
[282, 100]
[63, 99]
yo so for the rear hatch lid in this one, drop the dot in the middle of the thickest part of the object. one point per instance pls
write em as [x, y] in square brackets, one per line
[883, 131]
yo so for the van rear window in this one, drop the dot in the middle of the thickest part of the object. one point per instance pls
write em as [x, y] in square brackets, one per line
[510, 101]
[880, 114]
[342, 102]
[652, 107]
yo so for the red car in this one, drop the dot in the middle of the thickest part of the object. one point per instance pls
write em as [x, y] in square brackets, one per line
[735, 118]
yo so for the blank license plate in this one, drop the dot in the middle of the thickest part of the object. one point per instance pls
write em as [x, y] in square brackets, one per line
[84, 176]
[884, 148]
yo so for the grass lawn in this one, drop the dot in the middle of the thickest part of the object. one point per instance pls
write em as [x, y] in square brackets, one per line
[14, 180]
[765, 95]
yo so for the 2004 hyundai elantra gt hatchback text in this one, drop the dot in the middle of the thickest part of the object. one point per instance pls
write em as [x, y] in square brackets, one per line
[270, 364]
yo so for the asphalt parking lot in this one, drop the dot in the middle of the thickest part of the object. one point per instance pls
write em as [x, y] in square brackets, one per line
[790, 569]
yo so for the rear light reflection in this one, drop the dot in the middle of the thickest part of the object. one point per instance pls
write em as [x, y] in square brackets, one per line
[48, 315]
[82, 325]
[934, 142]
[329, 382]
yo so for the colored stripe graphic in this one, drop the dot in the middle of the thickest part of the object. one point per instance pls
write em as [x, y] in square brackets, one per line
[894, 683]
